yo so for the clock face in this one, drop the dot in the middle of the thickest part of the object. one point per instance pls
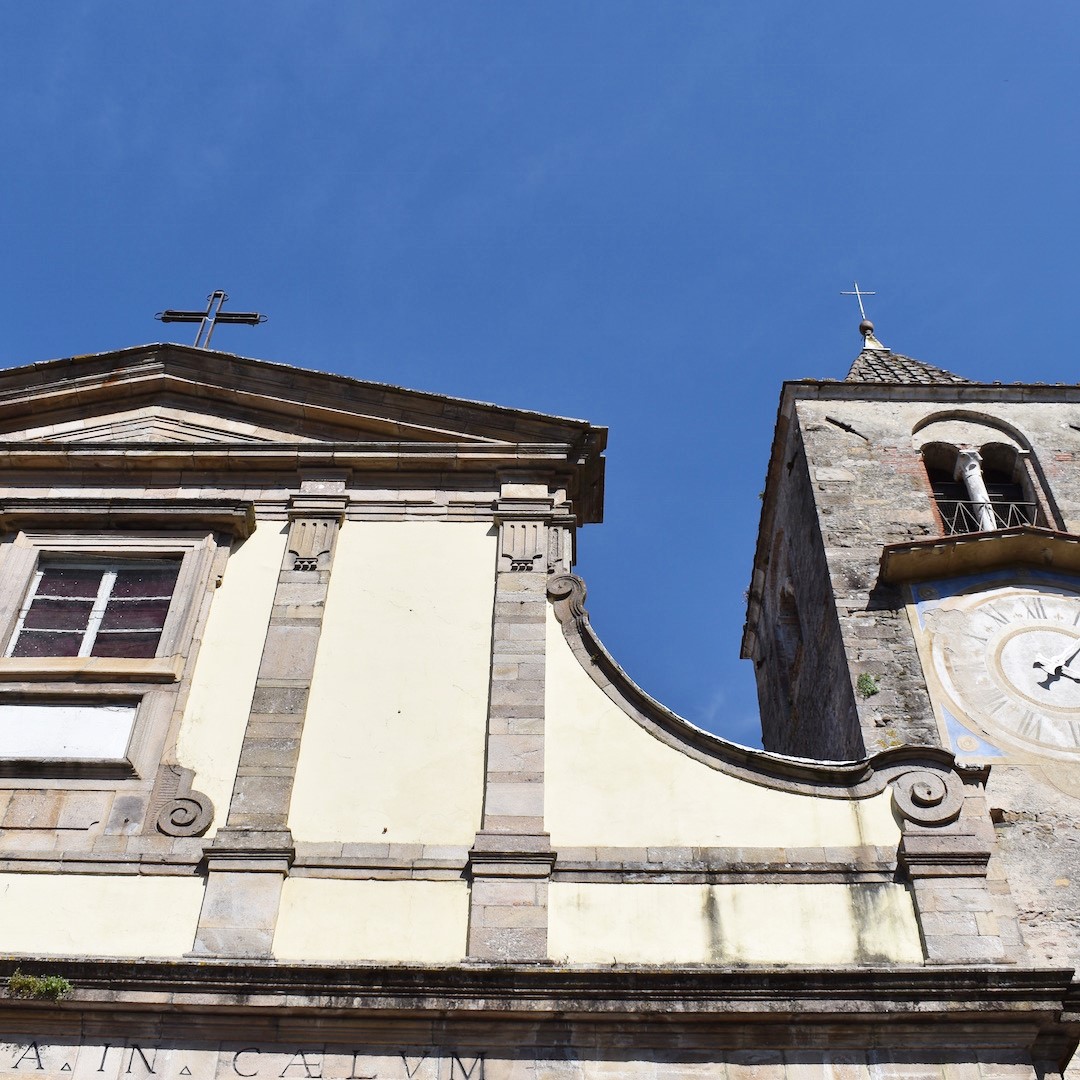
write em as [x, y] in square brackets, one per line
[1007, 659]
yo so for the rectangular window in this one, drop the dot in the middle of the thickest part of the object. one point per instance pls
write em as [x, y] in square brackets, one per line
[115, 609]
[47, 731]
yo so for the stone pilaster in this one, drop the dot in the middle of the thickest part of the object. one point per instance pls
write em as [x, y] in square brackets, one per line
[945, 854]
[250, 857]
[511, 859]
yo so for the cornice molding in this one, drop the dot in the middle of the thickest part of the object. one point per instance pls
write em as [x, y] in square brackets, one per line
[224, 515]
[532, 988]
[969, 553]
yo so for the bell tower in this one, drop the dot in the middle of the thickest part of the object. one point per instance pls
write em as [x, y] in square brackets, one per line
[917, 581]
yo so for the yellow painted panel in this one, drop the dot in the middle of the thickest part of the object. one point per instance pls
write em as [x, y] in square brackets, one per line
[610, 782]
[405, 921]
[763, 924]
[393, 748]
[98, 914]
[217, 708]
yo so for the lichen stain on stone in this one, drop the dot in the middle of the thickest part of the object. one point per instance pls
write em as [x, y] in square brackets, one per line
[869, 909]
[710, 911]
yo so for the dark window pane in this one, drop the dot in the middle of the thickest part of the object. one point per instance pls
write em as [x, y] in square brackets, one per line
[69, 581]
[36, 643]
[135, 645]
[146, 581]
[135, 615]
[58, 614]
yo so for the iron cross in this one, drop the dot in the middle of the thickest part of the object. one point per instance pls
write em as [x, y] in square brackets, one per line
[209, 318]
[859, 293]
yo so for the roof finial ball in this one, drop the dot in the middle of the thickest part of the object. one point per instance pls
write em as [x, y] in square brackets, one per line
[866, 327]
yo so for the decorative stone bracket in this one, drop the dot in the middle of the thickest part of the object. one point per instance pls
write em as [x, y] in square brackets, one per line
[176, 809]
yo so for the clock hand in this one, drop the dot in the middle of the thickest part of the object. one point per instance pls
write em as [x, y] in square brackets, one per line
[1061, 661]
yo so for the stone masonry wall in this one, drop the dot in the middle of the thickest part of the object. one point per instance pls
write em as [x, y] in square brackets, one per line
[870, 489]
[806, 702]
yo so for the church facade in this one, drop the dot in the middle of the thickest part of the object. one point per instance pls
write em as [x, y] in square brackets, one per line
[313, 767]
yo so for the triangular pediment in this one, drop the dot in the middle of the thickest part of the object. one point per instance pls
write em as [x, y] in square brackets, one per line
[152, 424]
[178, 394]
[166, 406]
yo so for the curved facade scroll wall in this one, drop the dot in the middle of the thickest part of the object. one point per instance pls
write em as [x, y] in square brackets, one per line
[610, 782]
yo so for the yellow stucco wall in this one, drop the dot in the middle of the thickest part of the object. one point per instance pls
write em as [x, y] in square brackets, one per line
[393, 748]
[217, 708]
[766, 924]
[609, 782]
[404, 921]
[98, 914]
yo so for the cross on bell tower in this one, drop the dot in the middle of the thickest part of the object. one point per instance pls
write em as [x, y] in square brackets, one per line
[866, 327]
[210, 318]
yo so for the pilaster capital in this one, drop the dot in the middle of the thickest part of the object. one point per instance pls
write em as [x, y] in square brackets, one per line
[511, 855]
[943, 855]
[267, 851]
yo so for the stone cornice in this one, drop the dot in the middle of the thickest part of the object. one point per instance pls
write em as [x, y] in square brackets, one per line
[230, 516]
[534, 988]
[966, 392]
[969, 553]
[282, 388]
[389, 464]
[500, 1008]
[514, 1005]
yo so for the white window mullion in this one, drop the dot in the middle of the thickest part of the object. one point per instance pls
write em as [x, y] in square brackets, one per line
[97, 612]
[22, 614]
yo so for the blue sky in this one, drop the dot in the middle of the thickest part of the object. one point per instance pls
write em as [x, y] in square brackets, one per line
[638, 213]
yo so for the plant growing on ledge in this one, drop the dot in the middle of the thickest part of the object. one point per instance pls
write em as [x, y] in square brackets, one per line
[867, 685]
[38, 987]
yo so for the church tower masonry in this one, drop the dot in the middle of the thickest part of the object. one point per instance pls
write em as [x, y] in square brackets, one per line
[917, 581]
[846, 477]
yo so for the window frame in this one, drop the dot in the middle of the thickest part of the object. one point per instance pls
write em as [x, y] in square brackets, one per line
[105, 596]
[152, 683]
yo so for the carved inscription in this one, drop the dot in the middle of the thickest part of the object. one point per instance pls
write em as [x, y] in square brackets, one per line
[229, 1061]
[54, 1059]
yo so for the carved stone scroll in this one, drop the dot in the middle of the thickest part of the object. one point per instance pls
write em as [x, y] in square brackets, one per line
[567, 593]
[927, 797]
[179, 810]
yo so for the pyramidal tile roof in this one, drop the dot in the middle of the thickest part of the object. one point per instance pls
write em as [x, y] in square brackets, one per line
[885, 366]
